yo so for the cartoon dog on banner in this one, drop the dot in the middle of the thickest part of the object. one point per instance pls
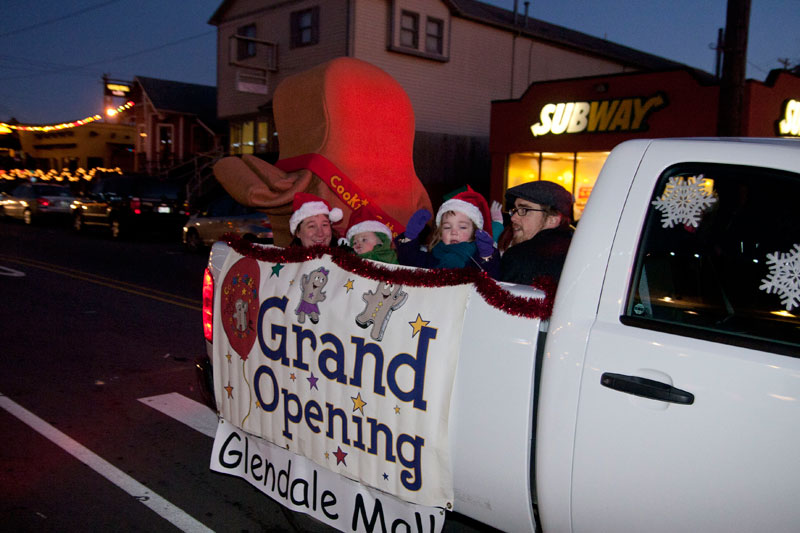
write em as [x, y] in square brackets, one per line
[311, 286]
[346, 131]
[380, 304]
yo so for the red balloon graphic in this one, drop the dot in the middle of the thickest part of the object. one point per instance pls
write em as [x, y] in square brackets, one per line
[240, 305]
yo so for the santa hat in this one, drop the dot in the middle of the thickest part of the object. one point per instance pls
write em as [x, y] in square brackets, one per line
[471, 204]
[365, 219]
[307, 205]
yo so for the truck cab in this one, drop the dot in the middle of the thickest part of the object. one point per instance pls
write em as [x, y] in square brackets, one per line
[682, 272]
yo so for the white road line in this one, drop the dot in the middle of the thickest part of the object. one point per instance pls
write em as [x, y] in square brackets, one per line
[11, 273]
[156, 503]
[194, 414]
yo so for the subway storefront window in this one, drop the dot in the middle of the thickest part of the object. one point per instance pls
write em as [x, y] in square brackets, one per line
[587, 168]
[576, 172]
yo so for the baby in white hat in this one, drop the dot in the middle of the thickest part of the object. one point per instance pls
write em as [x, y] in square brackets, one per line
[369, 237]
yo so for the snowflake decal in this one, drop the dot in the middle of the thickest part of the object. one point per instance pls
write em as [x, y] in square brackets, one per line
[784, 277]
[684, 200]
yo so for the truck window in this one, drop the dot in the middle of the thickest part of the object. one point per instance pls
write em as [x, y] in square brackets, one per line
[719, 257]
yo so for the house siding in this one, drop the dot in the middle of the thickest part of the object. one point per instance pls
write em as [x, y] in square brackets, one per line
[272, 21]
[454, 96]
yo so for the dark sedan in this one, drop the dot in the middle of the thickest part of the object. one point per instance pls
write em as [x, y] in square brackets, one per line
[131, 204]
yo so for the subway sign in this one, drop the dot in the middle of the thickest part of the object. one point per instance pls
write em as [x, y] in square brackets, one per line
[597, 116]
[790, 123]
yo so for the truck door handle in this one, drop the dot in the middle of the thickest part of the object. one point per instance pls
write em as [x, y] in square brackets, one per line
[646, 388]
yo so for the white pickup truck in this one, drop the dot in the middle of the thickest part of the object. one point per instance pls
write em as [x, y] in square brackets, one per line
[662, 394]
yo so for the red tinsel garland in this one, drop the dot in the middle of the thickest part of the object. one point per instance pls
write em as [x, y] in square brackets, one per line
[494, 295]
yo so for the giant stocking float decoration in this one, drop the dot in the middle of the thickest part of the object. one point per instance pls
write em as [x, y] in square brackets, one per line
[346, 131]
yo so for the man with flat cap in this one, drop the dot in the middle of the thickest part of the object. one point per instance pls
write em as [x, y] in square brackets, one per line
[541, 212]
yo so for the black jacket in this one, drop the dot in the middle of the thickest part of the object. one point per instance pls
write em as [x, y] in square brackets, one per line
[544, 254]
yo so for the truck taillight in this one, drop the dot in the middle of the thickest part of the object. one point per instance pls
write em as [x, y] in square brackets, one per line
[136, 206]
[208, 306]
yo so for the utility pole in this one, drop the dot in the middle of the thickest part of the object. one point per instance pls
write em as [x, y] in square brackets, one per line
[718, 51]
[730, 117]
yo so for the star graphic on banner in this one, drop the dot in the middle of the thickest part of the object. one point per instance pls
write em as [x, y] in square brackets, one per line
[229, 389]
[312, 382]
[228, 356]
[358, 403]
[276, 270]
[396, 410]
[348, 285]
[327, 455]
[340, 455]
[385, 476]
[417, 324]
[292, 376]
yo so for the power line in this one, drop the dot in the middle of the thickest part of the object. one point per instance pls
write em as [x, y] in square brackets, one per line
[58, 19]
[12, 63]
[68, 68]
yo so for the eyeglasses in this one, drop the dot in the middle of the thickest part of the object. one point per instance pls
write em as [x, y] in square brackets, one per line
[522, 211]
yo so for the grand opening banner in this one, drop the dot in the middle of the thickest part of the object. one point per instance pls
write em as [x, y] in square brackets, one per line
[351, 372]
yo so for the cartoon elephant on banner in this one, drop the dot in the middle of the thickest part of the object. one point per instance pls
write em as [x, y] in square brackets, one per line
[346, 132]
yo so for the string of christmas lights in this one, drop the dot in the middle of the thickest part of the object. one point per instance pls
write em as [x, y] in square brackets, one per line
[65, 125]
[55, 175]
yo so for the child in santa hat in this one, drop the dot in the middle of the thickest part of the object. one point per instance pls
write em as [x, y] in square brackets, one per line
[311, 223]
[461, 238]
[369, 237]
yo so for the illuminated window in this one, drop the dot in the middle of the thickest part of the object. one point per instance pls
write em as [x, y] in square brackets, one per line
[245, 48]
[409, 29]
[434, 36]
[236, 139]
[262, 136]
[522, 168]
[558, 168]
[247, 137]
[305, 27]
[587, 168]
[576, 172]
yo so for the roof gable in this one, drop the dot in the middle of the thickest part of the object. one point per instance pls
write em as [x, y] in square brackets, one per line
[180, 97]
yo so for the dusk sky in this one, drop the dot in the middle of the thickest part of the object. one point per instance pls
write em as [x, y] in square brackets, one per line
[53, 54]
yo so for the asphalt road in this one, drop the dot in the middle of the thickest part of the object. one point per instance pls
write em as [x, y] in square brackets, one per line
[95, 335]
[90, 328]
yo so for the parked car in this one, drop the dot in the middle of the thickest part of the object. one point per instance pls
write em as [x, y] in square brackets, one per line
[225, 215]
[128, 204]
[30, 201]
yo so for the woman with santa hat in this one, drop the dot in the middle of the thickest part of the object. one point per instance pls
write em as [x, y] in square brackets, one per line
[311, 223]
